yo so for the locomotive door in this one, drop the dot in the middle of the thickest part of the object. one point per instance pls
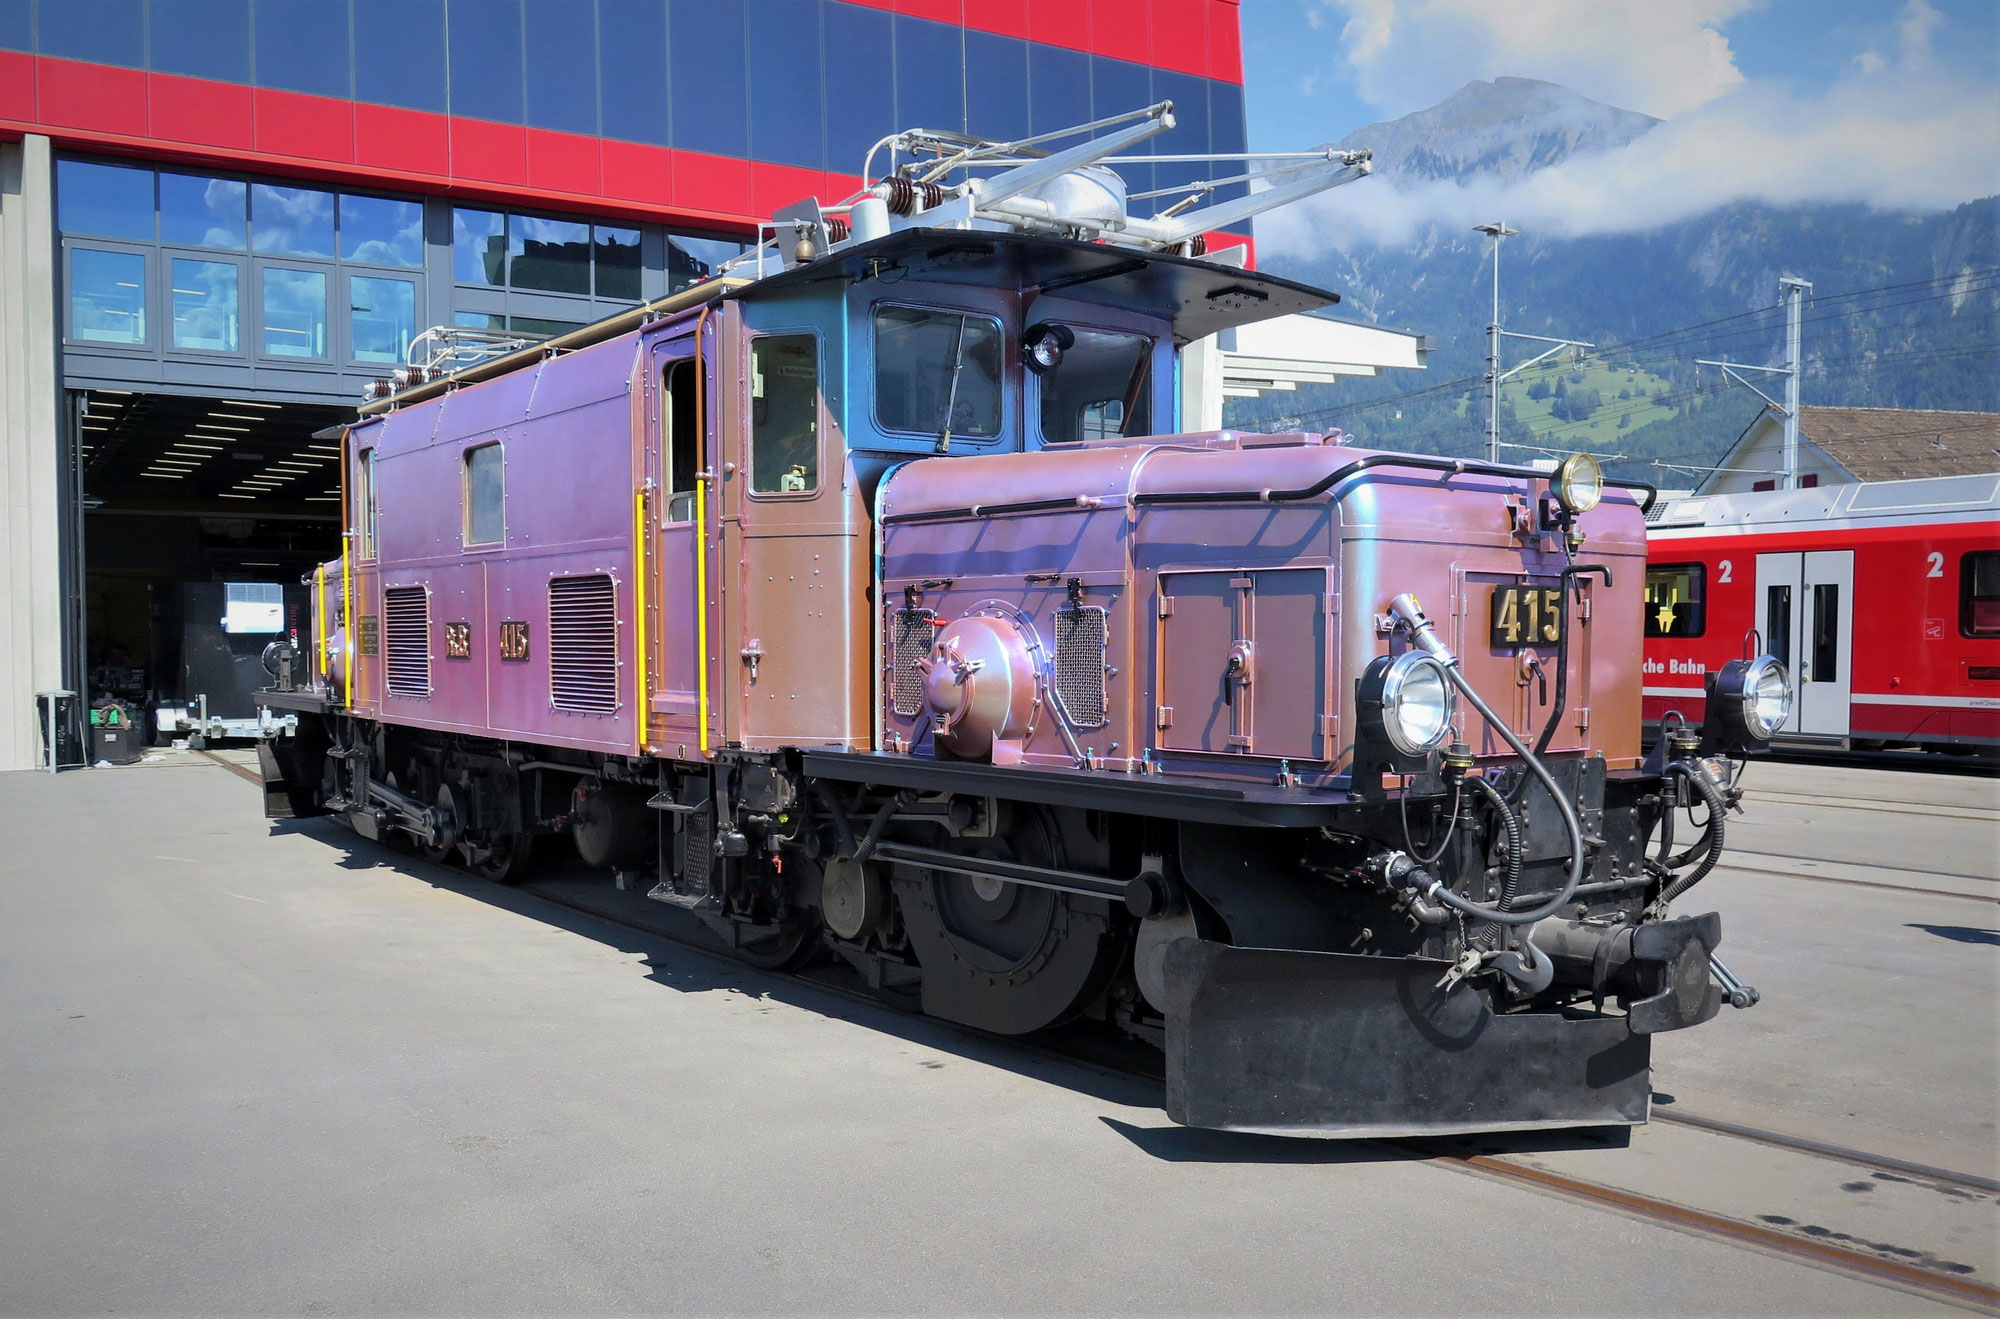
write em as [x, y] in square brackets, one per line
[671, 464]
[1805, 613]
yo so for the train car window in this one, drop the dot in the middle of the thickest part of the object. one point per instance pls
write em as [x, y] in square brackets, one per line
[364, 500]
[1979, 594]
[1826, 632]
[937, 372]
[1676, 599]
[784, 414]
[1101, 389]
[1778, 621]
[682, 441]
[485, 496]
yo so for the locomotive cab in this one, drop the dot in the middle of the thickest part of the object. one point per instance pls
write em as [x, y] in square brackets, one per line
[879, 606]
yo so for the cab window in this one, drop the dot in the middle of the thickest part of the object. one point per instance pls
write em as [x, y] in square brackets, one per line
[1101, 389]
[1675, 599]
[937, 373]
[1979, 594]
[784, 414]
[682, 440]
[364, 502]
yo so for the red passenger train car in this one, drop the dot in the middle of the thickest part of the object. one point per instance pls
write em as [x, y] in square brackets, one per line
[1882, 598]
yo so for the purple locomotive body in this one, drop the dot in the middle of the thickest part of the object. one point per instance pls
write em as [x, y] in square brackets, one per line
[872, 608]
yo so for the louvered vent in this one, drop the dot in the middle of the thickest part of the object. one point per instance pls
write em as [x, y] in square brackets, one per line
[583, 644]
[1080, 664]
[1658, 510]
[911, 632]
[406, 640]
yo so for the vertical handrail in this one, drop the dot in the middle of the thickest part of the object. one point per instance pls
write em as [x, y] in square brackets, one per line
[639, 609]
[319, 616]
[701, 535]
[349, 622]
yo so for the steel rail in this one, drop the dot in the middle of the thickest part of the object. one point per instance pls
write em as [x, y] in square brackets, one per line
[1966, 1181]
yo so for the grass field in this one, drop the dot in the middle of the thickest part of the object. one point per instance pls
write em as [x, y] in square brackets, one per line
[1600, 432]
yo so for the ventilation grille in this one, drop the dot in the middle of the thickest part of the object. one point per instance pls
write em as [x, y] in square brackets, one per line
[406, 640]
[1080, 664]
[583, 644]
[1658, 510]
[911, 633]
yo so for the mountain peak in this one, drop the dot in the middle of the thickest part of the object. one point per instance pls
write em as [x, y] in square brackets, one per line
[1506, 128]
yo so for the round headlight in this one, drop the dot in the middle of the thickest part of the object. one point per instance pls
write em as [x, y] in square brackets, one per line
[1044, 346]
[1579, 482]
[1767, 697]
[1417, 703]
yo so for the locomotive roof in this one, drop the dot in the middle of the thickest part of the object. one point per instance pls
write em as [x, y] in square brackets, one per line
[1199, 297]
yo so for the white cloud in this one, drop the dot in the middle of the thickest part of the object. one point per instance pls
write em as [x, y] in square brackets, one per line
[1657, 56]
[1899, 135]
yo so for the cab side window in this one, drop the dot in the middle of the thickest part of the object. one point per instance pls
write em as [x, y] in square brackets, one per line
[784, 414]
[364, 502]
[683, 441]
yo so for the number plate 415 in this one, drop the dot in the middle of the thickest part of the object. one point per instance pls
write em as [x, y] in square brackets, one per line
[1526, 616]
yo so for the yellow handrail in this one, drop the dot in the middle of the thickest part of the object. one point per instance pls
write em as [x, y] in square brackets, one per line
[639, 605]
[348, 620]
[319, 615]
[701, 540]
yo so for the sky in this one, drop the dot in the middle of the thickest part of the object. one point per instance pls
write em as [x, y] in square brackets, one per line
[1894, 103]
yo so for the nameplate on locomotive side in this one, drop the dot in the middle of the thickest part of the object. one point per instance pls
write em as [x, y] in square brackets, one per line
[369, 634]
[514, 641]
[1526, 616]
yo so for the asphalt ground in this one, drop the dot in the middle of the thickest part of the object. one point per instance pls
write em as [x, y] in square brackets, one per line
[252, 1068]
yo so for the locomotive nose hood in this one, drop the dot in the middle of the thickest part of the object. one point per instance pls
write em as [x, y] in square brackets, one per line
[1206, 603]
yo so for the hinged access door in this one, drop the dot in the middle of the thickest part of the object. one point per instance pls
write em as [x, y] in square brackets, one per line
[1242, 663]
[677, 454]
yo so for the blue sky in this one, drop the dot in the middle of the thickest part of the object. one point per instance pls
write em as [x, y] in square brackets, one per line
[1317, 69]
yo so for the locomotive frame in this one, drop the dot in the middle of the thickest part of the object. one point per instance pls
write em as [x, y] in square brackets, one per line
[1035, 714]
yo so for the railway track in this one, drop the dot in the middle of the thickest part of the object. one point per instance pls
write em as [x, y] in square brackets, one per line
[1097, 1056]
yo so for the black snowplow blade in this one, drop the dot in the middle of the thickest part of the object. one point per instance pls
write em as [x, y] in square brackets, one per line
[1327, 1044]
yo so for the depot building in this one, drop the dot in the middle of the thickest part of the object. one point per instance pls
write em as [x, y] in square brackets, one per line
[220, 220]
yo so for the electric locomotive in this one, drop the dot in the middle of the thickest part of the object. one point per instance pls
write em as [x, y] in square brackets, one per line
[868, 601]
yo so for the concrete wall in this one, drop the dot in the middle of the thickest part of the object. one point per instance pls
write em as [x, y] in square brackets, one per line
[30, 586]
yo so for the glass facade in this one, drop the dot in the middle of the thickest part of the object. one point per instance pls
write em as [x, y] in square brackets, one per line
[258, 273]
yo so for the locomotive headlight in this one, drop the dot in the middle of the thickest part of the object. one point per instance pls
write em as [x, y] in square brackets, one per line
[1750, 699]
[1579, 483]
[1417, 703]
[1044, 346]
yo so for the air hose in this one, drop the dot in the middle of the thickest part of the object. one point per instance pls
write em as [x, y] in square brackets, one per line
[1510, 825]
[1711, 841]
[1426, 637]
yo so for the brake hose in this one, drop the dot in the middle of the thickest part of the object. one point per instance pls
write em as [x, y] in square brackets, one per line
[1717, 809]
[1511, 827]
[1426, 637]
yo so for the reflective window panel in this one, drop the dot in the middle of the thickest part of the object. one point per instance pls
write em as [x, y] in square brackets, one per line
[478, 247]
[543, 326]
[107, 296]
[381, 231]
[291, 221]
[617, 263]
[479, 320]
[113, 201]
[294, 313]
[784, 414]
[198, 211]
[485, 510]
[205, 305]
[691, 260]
[383, 317]
[551, 255]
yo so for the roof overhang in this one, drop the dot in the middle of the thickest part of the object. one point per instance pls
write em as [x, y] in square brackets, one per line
[1199, 297]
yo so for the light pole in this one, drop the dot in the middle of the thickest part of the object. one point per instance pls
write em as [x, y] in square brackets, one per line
[1496, 232]
[1494, 334]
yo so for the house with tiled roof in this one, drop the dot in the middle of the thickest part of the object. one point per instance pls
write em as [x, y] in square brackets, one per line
[1842, 445]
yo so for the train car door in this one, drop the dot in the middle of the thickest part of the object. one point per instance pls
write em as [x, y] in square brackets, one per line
[1805, 612]
[679, 453]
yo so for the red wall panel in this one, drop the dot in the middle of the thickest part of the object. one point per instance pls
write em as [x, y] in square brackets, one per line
[564, 162]
[315, 128]
[490, 153]
[93, 97]
[201, 113]
[637, 172]
[406, 142]
[17, 86]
